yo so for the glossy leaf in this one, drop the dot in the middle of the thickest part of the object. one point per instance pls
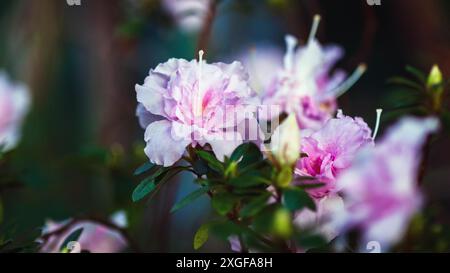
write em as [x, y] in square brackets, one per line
[189, 199]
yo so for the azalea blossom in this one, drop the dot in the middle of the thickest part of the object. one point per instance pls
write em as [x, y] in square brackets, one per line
[380, 188]
[304, 86]
[331, 149]
[194, 103]
[14, 105]
[95, 237]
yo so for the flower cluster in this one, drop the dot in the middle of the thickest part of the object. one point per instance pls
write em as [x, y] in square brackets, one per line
[353, 182]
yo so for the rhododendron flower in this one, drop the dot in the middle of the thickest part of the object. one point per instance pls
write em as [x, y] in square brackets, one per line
[304, 86]
[330, 150]
[14, 104]
[380, 188]
[190, 15]
[194, 103]
[95, 238]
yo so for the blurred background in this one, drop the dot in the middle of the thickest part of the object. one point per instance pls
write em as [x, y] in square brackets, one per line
[81, 142]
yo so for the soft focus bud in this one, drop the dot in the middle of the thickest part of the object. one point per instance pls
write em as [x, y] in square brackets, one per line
[285, 144]
[282, 223]
[434, 84]
[435, 77]
[284, 178]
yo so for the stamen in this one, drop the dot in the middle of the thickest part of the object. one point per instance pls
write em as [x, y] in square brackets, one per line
[347, 84]
[377, 125]
[291, 43]
[314, 28]
[199, 96]
[340, 113]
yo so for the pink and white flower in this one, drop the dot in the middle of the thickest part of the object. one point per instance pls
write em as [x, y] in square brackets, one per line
[330, 150]
[14, 105]
[95, 237]
[304, 86]
[194, 103]
[380, 188]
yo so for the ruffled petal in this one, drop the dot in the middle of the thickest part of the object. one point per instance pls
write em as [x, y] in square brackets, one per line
[162, 148]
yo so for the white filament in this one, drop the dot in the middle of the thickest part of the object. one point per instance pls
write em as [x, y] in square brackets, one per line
[291, 43]
[199, 96]
[314, 28]
[347, 84]
[377, 124]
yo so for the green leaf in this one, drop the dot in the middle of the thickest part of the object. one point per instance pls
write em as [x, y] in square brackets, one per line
[296, 199]
[144, 168]
[189, 199]
[74, 236]
[212, 161]
[152, 182]
[201, 236]
[249, 180]
[405, 82]
[417, 73]
[310, 241]
[147, 185]
[255, 206]
[252, 155]
[224, 230]
[239, 152]
[223, 203]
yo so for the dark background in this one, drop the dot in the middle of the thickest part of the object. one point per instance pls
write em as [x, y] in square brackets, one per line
[81, 141]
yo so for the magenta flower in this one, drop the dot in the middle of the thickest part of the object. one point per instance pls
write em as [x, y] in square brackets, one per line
[14, 104]
[380, 188]
[304, 86]
[194, 103]
[330, 150]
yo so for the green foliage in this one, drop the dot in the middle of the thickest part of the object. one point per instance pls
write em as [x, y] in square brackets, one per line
[189, 199]
[297, 199]
[255, 205]
[212, 161]
[419, 94]
[144, 168]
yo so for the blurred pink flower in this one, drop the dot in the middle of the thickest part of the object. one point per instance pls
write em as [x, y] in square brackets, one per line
[330, 150]
[14, 104]
[304, 85]
[190, 15]
[194, 103]
[95, 238]
[319, 220]
[380, 188]
[262, 62]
